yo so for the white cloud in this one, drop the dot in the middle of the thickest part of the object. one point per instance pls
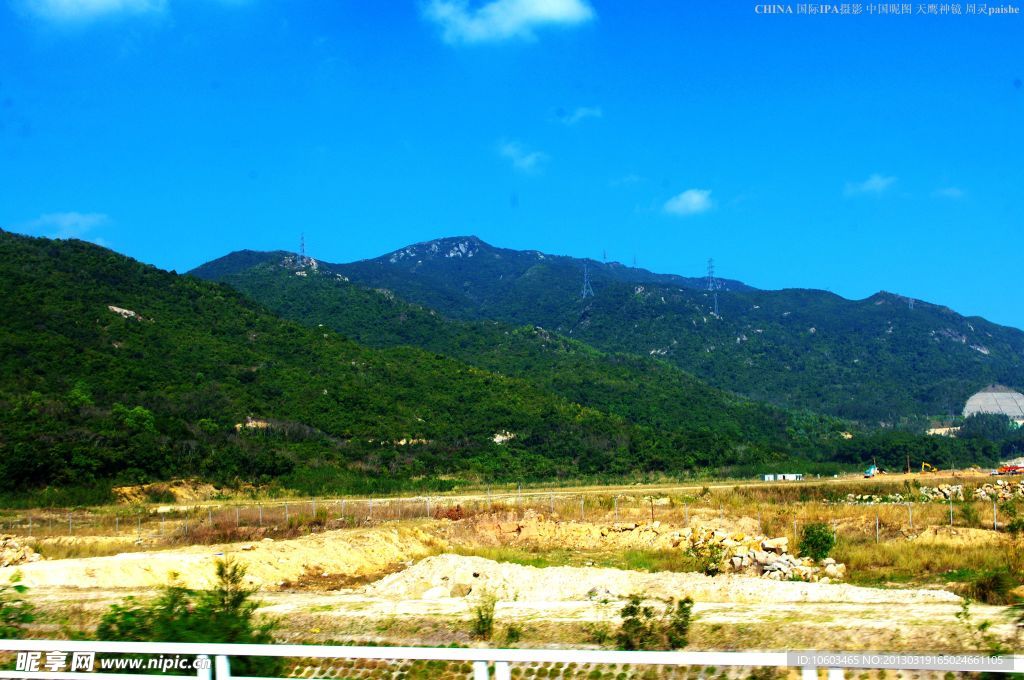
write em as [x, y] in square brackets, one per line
[950, 192]
[522, 159]
[690, 202]
[874, 185]
[581, 113]
[72, 11]
[503, 19]
[67, 225]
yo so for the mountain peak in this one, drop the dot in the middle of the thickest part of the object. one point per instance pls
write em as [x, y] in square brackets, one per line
[448, 247]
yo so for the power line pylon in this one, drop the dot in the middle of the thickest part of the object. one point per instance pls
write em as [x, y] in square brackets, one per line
[588, 290]
[713, 283]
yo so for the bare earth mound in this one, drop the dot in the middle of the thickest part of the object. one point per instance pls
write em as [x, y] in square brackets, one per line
[448, 576]
[268, 563]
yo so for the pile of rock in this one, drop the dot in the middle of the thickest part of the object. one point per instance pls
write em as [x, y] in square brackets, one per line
[872, 499]
[13, 553]
[943, 492]
[737, 550]
[1003, 490]
[758, 555]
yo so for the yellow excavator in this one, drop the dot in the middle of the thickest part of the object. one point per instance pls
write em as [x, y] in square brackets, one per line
[927, 467]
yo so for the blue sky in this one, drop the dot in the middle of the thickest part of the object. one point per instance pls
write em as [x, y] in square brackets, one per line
[853, 153]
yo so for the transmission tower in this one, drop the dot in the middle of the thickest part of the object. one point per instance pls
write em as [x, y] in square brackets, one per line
[588, 291]
[713, 284]
[302, 248]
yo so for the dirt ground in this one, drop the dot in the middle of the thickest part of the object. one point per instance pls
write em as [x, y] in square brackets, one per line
[400, 583]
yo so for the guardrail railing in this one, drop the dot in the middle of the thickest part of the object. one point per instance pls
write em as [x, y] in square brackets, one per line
[38, 659]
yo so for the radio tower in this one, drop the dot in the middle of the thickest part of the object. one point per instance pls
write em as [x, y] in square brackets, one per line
[713, 284]
[588, 291]
[302, 249]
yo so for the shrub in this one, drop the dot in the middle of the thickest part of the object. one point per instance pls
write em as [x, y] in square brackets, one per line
[993, 586]
[225, 613]
[969, 514]
[513, 634]
[597, 633]
[483, 616]
[817, 541]
[645, 629]
[15, 612]
[709, 558]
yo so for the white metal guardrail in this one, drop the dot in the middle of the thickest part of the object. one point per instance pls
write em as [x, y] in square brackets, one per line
[482, 660]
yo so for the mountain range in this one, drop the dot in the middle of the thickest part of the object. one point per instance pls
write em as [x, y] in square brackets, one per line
[290, 374]
[875, 360]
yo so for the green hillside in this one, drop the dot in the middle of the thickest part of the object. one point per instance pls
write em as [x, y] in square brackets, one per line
[112, 371]
[873, 360]
[644, 390]
[90, 395]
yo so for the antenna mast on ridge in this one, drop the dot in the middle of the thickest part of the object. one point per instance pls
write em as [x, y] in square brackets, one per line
[588, 291]
[713, 284]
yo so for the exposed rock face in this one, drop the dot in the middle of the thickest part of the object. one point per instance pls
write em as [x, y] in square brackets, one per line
[13, 553]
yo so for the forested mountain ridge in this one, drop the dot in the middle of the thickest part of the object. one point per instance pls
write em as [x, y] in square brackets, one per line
[112, 369]
[645, 390]
[873, 360]
[116, 371]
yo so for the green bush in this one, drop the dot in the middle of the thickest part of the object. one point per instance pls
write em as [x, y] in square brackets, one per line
[817, 541]
[225, 613]
[15, 612]
[993, 587]
[483, 616]
[709, 558]
[643, 628]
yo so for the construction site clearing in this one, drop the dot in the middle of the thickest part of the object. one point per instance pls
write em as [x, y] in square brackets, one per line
[419, 581]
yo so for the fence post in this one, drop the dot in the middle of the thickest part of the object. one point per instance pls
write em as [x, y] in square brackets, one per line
[551, 503]
[117, 524]
[222, 668]
[286, 518]
[238, 518]
[616, 503]
[995, 516]
[582, 498]
[260, 506]
[876, 526]
[910, 510]
[950, 509]
[209, 514]
[501, 671]
[809, 673]
[480, 671]
[139, 522]
[428, 506]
